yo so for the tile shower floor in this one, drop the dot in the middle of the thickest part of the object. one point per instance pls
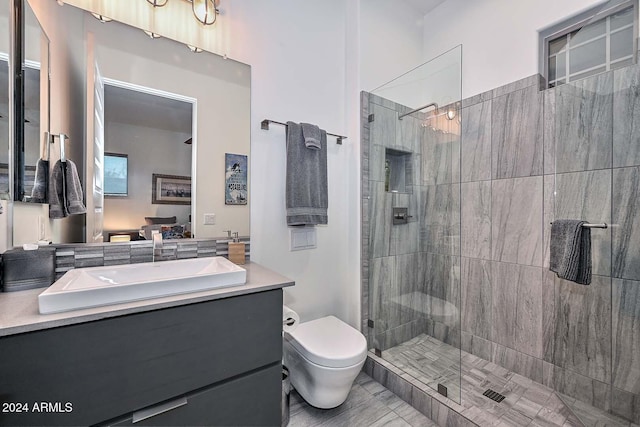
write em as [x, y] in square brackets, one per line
[369, 404]
[527, 403]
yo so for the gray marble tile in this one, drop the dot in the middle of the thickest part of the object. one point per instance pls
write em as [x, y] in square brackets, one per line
[476, 142]
[475, 345]
[586, 196]
[626, 405]
[440, 219]
[583, 326]
[383, 286]
[380, 219]
[442, 280]
[410, 280]
[517, 307]
[476, 99]
[476, 297]
[391, 420]
[405, 238]
[392, 337]
[408, 133]
[516, 134]
[376, 163]
[444, 416]
[520, 363]
[475, 236]
[421, 401]
[383, 128]
[440, 157]
[516, 220]
[549, 132]
[548, 315]
[626, 220]
[626, 336]
[626, 117]
[533, 80]
[584, 120]
[581, 388]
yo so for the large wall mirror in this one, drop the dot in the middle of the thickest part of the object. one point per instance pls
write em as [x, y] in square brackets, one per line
[165, 116]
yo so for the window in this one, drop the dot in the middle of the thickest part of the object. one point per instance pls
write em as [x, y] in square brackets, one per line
[116, 171]
[601, 41]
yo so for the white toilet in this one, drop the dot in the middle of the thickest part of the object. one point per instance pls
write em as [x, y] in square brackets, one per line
[324, 356]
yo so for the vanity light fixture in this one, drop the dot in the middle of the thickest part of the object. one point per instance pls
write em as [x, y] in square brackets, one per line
[205, 11]
[101, 18]
[451, 114]
[157, 3]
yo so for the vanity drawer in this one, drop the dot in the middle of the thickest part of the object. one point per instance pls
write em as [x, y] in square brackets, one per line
[250, 400]
[116, 366]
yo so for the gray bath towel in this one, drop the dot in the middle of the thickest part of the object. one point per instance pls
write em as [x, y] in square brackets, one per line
[570, 255]
[311, 134]
[65, 191]
[41, 182]
[307, 189]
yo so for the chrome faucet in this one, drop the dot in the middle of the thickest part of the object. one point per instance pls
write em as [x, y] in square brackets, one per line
[157, 244]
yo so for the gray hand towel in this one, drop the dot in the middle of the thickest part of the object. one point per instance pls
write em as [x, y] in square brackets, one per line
[306, 177]
[41, 182]
[57, 208]
[73, 190]
[570, 254]
[311, 134]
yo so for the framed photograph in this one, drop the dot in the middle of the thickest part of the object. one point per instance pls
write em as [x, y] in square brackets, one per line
[171, 190]
[235, 181]
[116, 175]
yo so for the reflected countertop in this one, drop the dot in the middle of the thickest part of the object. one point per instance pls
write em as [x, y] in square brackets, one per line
[19, 310]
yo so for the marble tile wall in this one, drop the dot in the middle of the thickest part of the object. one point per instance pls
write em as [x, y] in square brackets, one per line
[529, 157]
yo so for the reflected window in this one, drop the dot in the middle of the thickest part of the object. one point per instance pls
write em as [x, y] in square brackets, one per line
[116, 174]
[595, 44]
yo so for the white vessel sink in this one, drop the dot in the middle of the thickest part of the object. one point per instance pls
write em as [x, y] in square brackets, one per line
[97, 286]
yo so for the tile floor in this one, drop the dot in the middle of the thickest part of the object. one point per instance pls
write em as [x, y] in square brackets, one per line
[369, 405]
[527, 403]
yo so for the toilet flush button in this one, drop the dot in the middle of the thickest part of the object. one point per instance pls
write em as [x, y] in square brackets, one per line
[303, 238]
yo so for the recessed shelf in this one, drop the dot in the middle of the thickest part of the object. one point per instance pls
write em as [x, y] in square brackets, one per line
[398, 171]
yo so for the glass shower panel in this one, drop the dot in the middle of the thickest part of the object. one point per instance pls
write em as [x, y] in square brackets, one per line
[413, 212]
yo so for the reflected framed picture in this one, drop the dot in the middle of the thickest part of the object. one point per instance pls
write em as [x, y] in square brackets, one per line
[116, 175]
[170, 190]
[235, 182]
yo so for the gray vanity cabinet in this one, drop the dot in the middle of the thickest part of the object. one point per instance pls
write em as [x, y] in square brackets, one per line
[210, 363]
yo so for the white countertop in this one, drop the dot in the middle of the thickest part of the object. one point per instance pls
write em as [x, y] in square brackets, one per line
[19, 310]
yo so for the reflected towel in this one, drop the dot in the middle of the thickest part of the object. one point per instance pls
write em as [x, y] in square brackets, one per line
[570, 251]
[312, 136]
[56, 192]
[306, 176]
[73, 190]
[65, 191]
[41, 182]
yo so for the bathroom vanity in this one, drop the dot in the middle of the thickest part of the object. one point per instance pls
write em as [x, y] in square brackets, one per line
[205, 358]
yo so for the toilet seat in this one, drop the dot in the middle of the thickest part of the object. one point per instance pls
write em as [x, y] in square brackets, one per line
[329, 342]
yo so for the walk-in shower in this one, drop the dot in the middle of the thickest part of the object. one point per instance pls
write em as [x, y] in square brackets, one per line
[458, 197]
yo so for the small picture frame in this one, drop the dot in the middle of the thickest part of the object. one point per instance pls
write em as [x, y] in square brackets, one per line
[170, 190]
[235, 182]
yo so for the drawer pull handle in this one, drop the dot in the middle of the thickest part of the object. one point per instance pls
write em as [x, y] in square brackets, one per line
[143, 414]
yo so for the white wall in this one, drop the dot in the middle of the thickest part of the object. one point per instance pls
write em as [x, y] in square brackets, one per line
[499, 37]
[149, 151]
[390, 41]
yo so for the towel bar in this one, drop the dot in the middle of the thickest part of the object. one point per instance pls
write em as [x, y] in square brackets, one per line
[265, 126]
[587, 225]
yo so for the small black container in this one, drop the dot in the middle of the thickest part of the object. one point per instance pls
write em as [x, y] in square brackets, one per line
[22, 270]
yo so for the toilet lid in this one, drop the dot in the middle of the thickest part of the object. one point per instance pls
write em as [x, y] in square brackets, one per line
[329, 342]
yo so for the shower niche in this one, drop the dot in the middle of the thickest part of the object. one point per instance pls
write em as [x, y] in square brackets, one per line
[398, 171]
